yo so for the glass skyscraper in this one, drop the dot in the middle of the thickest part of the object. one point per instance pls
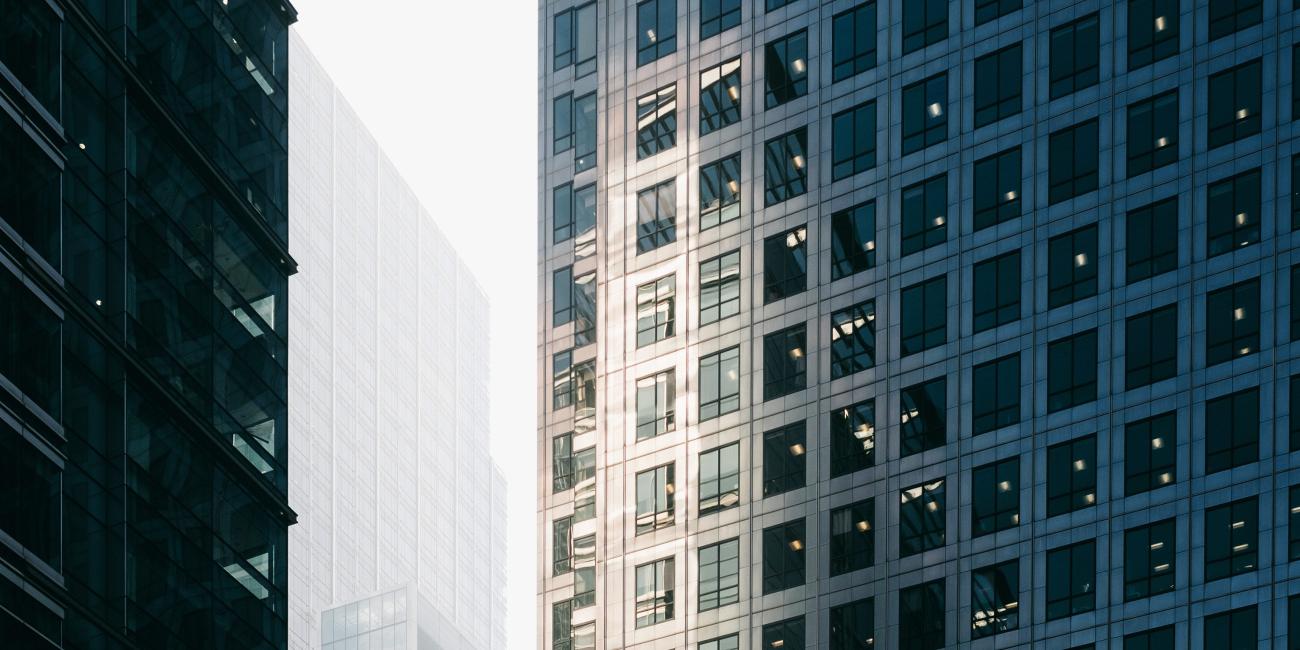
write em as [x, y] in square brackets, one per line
[918, 324]
[143, 323]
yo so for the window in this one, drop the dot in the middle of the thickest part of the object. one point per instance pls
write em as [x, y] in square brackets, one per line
[730, 642]
[575, 39]
[1071, 576]
[656, 30]
[30, 484]
[1153, 133]
[574, 211]
[853, 438]
[773, 5]
[925, 22]
[1295, 302]
[719, 478]
[785, 168]
[1234, 630]
[562, 462]
[925, 315]
[853, 625]
[656, 397]
[584, 132]
[1161, 638]
[1295, 87]
[562, 388]
[783, 459]
[925, 222]
[656, 122]
[1149, 453]
[1072, 161]
[1294, 412]
[1293, 524]
[1231, 539]
[720, 192]
[921, 519]
[655, 311]
[584, 586]
[853, 146]
[785, 362]
[719, 287]
[853, 41]
[654, 592]
[996, 497]
[998, 85]
[784, 634]
[719, 383]
[853, 339]
[1071, 475]
[1149, 553]
[562, 292]
[717, 16]
[563, 123]
[986, 10]
[584, 481]
[1235, 103]
[1074, 56]
[719, 574]
[720, 96]
[921, 617]
[1228, 16]
[656, 216]
[1150, 347]
[1152, 239]
[853, 537]
[584, 309]
[783, 557]
[996, 400]
[1072, 371]
[1231, 430]
[1232, 213]
[923, 412]
[561, 545]
[1232, 322]
[654, 499]
[561, 625]
[997, 291]
[786, 68]
[853, 240]
[925, 108]
[1293, 623]
[1152, 31]
[997, 188]
[785, 264]
[995, 599]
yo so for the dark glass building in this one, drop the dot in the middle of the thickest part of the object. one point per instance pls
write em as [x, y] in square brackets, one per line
[143, 267]
[919, 324]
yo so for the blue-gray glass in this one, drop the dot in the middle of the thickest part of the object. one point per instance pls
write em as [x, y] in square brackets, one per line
[719, 287]
[853, 41]
[1072, 161]
[720, 96]
[1161, 638]
[562, 122]
[784, 459]
[719, 383]
[1150, 347]
[998, 85]
[720, 192]
[853, 339]
[786, 68]
[784, 561]
[574, 211]
[785, 167]
[1231, 430]
[575, 39]
[925, 315]
[1235, 103]
[785, 362]
[922, 519]
[1152, 31]
[656, 216]
[1074, 56]
[923, 416]
[995, 598]
[29, 191]
[1071, 580]
[1232, 322]
[852, 540]
[853, 625]
[925, 214]
[656, 30]
[1071, 475]
[997, 190]
[925, 22]
[853, 240]
[717, 16]
[1234, 630]
[986, 10]
[562, 296]
[1151, 239]
[996, 394]
[853, 141]
[719, 478]
[584, 309]
[1072, 371]
[995, 497]
[1232, 213]
[656, 122]
[772, 5]
[921, 617]
[790, 632]
[1150, 446]
[925, 113]
[1293, 403]
[584, 140]
[1231, 539]
[1149, 553]
[1228, 16]
[1295, 303]
[1152, 133]
[853, 437]
[1072, 266]
[785, 264]
[1293, 523]
[996, 298]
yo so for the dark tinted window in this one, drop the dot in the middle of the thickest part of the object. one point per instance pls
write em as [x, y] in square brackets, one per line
[785, 264]
[922, 524]
[853, 538]
[925, 315]
[995, 599]
[1150, 347]
[1072, 371]
[995, 498]
[1071, 580]
[720, 192]
[925, 22]
[1235, 103]
[998, 85]
[925, 110]
[1161, 638]
[1232, 322]
[717, 16]
[784, 462]
[853, 240]
[1075, 50]
[1072, 161]
[1228, 16]
[719, 287]
[1149, 553]
[784, 634]
[785, 167]
[997, 291]
[986, 10]
[1293, 524]
[1234, 630]
[720, 96]
[995, 402]
[783, 558]
[1232, 213]
[853, 625]
[924, 416]
[656, 122]
[574, 211]
[853, 438]
[1150, 447]
[1152, 31]
[785, 362]
[1072, 266]
[853, 339]
[1152, 133]
[1231, 430]
[853, 140]
[853, 41]
[786, 68]
[656, 30]
[997, 188]
[1152, 239]
[1231, 539]
[925, 214]
[921, 617]
[1071, 475]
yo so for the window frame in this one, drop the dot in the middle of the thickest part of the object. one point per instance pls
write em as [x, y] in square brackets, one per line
[932, 128]
[649, 608]
[1223, 455]
[1080, 350]
[1080, 40]
[932, 432]
[918, 534]
[1151, 115]
[1227, 124]
[785, 69]
[661, 388]
[849, 256]
[858, 154]
[1001, 478]
[852, 538]
[725, 402]
[654, 42]
[719, 587]
[656, 121]
[720, 295]
[853, 41]
[1002, 95]
[927, 331]
[1153, 43]
[921, 228]
[999, 201]
[656, 310]
[1072, 475]
[785, 264]
[1151, 346]
[781, 184]
[784, 557]
[1077, 599]
[654, 229]
[1161, 241]
[1083, 175]
[1144, 558]
[1225, 557]
[852, 351]
[1232, 228]
[782, 471]
[850, 452]
[1005, 309]
[993, 585]
[720, 191]
[1150, 453]
[1005, 409]
[1232, 321]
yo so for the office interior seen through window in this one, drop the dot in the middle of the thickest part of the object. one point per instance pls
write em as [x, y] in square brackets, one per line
[918, 324]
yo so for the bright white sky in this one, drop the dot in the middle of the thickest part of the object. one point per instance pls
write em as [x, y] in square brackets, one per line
[450, 91]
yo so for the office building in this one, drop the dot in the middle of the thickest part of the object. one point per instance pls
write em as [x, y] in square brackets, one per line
[391, 475]
[143, 312]
[918, 324]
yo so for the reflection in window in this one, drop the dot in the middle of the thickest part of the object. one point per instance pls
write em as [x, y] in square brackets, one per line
[1152, 133]
[655, 399]
[853, 339]
[720, 192]
[584, 138]
[1072, 266]
[656, 30]
[719, 478]
[654, 499]
[654, 592]
[656, 122]
[995, 599]
[784, 459]
[788, 633]
[995, 497]
[786, 68]
[720, 96]
[921, 617]
[656, 310]
[785, 264]
[1232, 322]
[853, 240]
[1232, 213]
[719, 383]
[562, 462]
[922, 524]
[923, 415]
[719, 574]
[853, 438]
[561, 545]
[1152, 31]
[656, 216]
[729, 642]
[575, 39]
[785, 167]
[717, 16]
[997, 188]
[853, 41]
[719, 287]
[574, 211]
[785, 362]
